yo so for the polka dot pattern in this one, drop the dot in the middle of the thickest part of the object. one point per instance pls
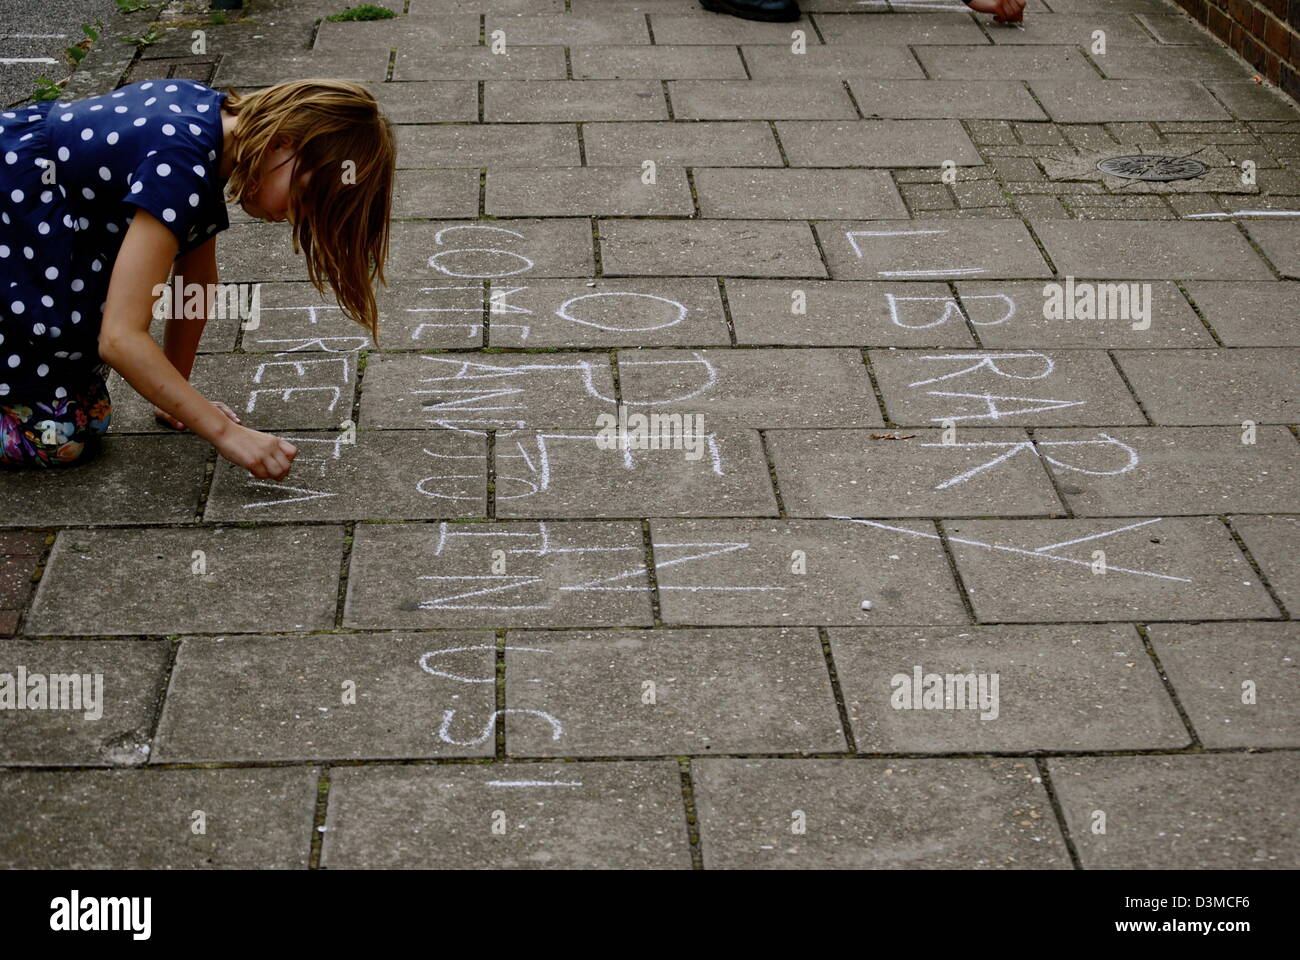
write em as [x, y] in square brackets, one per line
[151, 146]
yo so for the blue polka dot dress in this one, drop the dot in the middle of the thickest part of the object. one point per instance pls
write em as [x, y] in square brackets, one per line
[72, 176]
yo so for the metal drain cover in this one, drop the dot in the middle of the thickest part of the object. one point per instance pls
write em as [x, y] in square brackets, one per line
[1154, 167]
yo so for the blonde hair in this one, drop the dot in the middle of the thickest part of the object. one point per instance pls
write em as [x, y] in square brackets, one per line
[340, 224]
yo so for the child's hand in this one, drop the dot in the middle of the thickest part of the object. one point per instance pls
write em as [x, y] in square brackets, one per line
[261, 454]
[162, 416]
[1004, 11]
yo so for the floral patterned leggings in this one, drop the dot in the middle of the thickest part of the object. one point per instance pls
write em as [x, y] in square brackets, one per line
[56, 432]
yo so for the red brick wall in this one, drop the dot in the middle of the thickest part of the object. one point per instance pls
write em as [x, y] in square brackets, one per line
[1265, 32]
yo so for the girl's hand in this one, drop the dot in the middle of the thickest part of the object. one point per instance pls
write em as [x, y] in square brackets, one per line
[1004, 11]
[162, 416]
[261, 454]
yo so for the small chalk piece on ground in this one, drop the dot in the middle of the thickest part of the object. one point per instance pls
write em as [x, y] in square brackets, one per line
[867, 604]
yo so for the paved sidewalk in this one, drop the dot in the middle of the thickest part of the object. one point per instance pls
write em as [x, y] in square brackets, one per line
[477, 637]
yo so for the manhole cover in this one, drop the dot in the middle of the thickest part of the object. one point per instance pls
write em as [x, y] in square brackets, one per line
[1152, 166]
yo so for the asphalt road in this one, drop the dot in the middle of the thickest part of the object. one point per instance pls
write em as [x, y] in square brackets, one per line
[33, 36]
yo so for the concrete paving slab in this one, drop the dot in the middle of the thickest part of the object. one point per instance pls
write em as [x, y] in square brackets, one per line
[754, 99]
[1005, 688]
[1093, 7]
[658, 62]
[1246, 314]
[1156, 250]
[257, 252]
[1117, 101]
[366, 65]
[476, 392]
[1235, 680]
[97, 701]
[567, 30]
[696, 470]
[1172, 471]
[572, 191]
[1120, 28]
[755, 248]
[671, 692]
[129, 480]
[528, 101]
[492, 250]
[1205, 63]
[343, 36]
[1188, 387]
[232, 41]
[1153, 569]
[625, 311]
[1273, 542]
[660, 7]
[554, 816]
[1169, 812]
[751, 388]
[862, 473]
[798, 572]
[831, 194]
[729, 30]
[1173, 27]
[348, 696]
[1280, 242]
[992, 388]
[840, 61]
[144, 819]
[421, 8]
[1024, 315]
[846, 313]
[435, 194]
[1252, 101]
[429, 102]
[875, 814]
[694, 144]
[413, 315]
[1028, 62]
[487, 144]
[518, 62]
[876, 143]
[899, 28]
[379, 475]
[988, 100]
[929, 250]
[159, 581]
[425, 576]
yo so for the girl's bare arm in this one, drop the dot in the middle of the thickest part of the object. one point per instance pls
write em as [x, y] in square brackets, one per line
[143, 262]
[182, 333]
[181, 339]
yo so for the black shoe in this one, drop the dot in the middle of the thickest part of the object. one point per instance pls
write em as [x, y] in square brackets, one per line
[774, 10]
